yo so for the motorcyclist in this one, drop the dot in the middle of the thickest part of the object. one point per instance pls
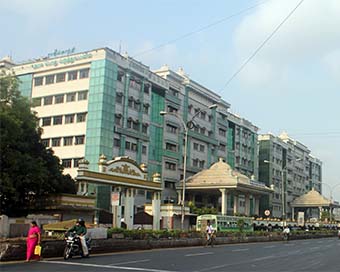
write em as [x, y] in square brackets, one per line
[80, 229]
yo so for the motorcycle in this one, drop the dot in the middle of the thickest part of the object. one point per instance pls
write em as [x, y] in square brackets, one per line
[73, 245]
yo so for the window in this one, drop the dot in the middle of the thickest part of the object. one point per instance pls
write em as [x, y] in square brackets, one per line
[127, 145]
[202, 130]
[120, 76]
[76, 162]
[172, 109]
[146, 108]
[210, 118]
[119, 98]
[170, 166]
[171, 128]
[129, 123]
[48, 100]
[135, 125]
[56, 141]
[82, 95]
[66, 163]
[130, 103]
[80, 140]
[49, 79]
[145, 128]
[68, 141]
[222, 132]
[137, 105]
[173, 92]
[70, 97]
[195, 146]
[118, 119]
[38, 81]
[69, 119]
[146, 88]
[72, 75]
[36, 102]
[201, 164]
[133, 147]
[202, 148]
[45, 142]
[222, 147]
[81, 117]
[171, 147]
[84, 73]
[195, 162]
[59, 99]
[144, 149]
[57, 120]
[203, 114]
[116, 142]
[46, 121]
[61, 77]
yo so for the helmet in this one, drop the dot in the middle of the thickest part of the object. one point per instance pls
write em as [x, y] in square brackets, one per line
[80, 221]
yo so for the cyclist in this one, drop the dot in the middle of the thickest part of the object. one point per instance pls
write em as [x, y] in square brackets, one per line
[209, 234]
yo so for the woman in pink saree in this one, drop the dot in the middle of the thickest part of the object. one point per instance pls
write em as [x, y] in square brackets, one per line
[33, 239]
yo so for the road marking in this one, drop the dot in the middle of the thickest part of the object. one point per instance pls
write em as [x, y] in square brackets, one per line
[198, 254]
[263, 258]
[107, 266]
[269, 246]
[312, 248]
[241, 249]
[130, 262]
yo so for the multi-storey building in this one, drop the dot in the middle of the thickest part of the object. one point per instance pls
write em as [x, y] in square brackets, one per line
[286, 164]
[101, 102]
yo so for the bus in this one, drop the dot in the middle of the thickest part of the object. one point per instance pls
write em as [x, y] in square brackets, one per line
[223, 222]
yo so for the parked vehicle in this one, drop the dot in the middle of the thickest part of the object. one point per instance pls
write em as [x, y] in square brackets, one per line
[73, 246]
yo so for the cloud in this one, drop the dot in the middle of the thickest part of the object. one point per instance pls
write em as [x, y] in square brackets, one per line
[310, 34]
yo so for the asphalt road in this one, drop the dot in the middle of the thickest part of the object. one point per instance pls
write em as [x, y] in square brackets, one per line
[300, 255]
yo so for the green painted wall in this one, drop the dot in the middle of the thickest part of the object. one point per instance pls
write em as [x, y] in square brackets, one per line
[100, 120]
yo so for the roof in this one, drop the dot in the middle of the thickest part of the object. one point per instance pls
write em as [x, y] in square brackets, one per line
[311, 199]
[220, 175]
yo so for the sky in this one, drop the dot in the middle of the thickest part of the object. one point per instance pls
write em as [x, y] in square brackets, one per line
[292, 84]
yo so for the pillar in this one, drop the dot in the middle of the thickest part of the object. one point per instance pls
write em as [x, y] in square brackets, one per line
[179, 196]
[224, 201]
[156, 210]
[293, 217]
[116, 208]
[129, 207]
[257, 206]
[247, 205]
[235, 204]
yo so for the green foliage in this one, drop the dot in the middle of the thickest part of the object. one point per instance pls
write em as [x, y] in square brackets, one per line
[203, 210]
[29, 172]
[240, 225]
[325, 215]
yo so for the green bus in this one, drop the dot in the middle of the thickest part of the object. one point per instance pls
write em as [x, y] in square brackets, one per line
[223, 222]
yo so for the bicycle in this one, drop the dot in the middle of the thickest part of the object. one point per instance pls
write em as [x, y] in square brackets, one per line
[210, 239]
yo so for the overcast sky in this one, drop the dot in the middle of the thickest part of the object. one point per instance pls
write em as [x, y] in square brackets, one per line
[292, 84]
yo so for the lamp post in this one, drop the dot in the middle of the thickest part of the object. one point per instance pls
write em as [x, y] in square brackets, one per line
[187, 125]
[331, 188]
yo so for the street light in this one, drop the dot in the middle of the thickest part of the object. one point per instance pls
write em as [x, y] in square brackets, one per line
[187, 125]
[331, 188]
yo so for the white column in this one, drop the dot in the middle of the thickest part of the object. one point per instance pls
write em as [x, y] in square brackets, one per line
[247, 205]
[129, 207]
[224, 201]
[235, 203]
[156, 210]
[117, 209]
[179, 195]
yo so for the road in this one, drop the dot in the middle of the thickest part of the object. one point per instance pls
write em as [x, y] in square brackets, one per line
[300, 255]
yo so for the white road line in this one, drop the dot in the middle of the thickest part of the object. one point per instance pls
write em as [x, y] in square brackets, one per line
[263, 258]
[241, 249]
[130, 262]
[269, 246]
[312, 248]
[107, 266]
[199, 254]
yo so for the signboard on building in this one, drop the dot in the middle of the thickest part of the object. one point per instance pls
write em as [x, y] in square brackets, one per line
[115, 198]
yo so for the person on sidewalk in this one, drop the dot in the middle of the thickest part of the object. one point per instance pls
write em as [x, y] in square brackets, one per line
[33, 239]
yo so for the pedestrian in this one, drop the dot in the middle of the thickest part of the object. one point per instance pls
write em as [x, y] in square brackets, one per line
[33, 239]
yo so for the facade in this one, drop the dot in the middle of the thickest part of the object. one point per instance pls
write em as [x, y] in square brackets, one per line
[101, 102]
[287, 165]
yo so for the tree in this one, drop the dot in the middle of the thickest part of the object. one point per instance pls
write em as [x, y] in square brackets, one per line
[29, 171]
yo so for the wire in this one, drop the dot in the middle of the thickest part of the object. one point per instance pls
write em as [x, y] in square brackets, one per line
[198, 30]
[261, 45]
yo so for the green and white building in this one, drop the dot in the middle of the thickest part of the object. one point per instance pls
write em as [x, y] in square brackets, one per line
[101, 102]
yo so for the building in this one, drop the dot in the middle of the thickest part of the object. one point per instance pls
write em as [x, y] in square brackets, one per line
[101, 102]
[289, 167]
